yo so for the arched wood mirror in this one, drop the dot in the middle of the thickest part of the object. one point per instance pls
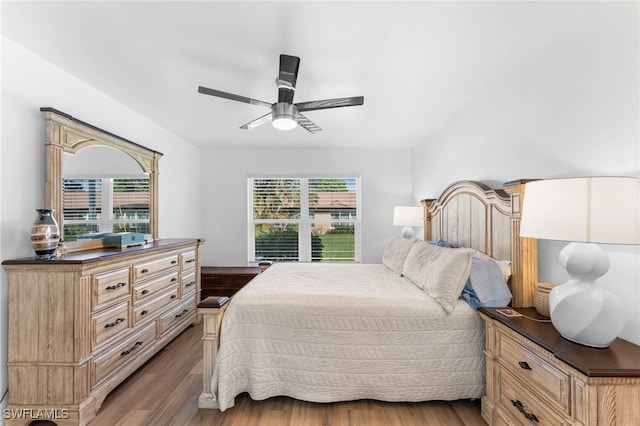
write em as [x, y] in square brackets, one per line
[96, 181]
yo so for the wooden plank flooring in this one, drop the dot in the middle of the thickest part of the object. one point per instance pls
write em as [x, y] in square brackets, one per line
[165, 391]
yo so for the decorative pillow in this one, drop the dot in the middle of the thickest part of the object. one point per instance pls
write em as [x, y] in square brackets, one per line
[396, 252]
[486, 285]
[440, 272]
[439, 242]
[504, 265]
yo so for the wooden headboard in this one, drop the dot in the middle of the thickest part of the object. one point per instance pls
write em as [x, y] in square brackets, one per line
[471, 214]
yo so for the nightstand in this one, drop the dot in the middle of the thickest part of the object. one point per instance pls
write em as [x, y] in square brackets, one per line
[225, 280]
[536, 377]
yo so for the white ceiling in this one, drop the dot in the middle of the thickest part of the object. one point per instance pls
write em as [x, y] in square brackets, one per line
[416, 63]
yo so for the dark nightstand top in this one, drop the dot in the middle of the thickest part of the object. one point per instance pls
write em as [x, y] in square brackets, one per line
[620, 359]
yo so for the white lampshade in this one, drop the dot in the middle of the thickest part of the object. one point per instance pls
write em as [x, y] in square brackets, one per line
[407, 216]
[590, 210]
[584, 211]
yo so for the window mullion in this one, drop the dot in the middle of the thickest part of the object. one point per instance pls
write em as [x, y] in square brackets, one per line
[106, 216]
[304, 233]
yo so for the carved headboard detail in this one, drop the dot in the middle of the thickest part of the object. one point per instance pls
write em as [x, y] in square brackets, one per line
[471, 214]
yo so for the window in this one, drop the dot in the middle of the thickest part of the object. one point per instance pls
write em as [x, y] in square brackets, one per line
[105, 205]
[304, 219]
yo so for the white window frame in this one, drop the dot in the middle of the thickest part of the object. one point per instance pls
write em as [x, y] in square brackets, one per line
[305, 221]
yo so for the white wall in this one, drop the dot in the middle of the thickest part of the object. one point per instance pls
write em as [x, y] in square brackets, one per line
[28, 83]
[386, 181]
[572, 110]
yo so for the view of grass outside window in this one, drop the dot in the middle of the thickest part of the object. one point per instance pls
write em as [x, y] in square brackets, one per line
[304, 219]
[105, 205]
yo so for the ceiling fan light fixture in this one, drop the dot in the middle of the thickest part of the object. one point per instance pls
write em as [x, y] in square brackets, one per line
[284, 116]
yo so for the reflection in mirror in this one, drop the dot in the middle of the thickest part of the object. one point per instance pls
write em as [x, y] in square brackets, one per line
[103, 190]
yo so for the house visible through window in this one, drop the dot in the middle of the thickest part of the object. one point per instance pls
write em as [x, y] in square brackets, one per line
[105, 205]
[304, 219]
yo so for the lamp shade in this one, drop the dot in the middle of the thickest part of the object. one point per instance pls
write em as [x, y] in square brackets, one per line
[590, 209]
[407, 216]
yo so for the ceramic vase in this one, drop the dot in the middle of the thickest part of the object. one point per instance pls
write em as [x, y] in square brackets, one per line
[45, 234]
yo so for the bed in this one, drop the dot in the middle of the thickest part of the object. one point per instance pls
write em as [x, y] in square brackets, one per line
[393, 331]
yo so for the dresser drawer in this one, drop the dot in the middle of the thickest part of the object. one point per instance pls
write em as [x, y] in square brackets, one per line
[109, 323]
[188, 283]
[149, 289]
[154, 306]
[107, 287]
[539, 374]
[178, 314]
[147, 269]
[103, 365]
[188, 260]
[519, 407]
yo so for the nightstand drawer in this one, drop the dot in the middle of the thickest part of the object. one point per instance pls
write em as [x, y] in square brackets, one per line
[520, 407]
[533, 370]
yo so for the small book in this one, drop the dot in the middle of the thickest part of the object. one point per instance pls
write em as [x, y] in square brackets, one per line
[508, 312]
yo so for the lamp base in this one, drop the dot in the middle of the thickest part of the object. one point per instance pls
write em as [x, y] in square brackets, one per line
[407, 232]
[581, 309]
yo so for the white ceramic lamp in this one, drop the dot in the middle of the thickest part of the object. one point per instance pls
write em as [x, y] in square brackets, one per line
[407, 216]
[585, 211]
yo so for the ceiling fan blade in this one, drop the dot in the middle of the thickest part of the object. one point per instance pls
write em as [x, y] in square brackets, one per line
[231, 96]
[288, 71]
[330, 103]
[308, 124]
[287, 78]
[257, 122]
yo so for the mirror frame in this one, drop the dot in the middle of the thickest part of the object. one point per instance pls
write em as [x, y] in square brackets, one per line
[64, 133]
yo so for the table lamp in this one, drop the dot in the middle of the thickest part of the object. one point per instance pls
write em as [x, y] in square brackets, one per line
[407, 216]
[585, 211]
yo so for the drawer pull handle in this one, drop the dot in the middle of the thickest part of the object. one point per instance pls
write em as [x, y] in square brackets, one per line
[145, 312]
[184, 311]
[524, 365]
[174, 279]
[173, 262]
[190, 284]
[520, 407]
[144, 271]
[131, 349]
[113, 287]
[173, 296]
[190, 260]
[144, 292]
[113, 324]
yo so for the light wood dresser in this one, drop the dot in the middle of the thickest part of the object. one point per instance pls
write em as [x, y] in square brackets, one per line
[536, 377]
[80, 325]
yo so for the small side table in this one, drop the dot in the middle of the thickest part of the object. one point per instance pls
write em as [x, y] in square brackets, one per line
[535, 376]
[225, 280]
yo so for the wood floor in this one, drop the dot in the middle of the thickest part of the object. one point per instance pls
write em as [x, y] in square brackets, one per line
[165, 391]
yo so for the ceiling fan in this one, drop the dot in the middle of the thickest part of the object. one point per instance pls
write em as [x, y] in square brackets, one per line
[284, 114]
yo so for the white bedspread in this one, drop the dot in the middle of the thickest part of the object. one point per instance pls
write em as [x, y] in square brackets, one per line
[338, 332]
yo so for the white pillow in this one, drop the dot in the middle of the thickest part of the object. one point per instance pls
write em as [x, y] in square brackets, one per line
[439, 271]
[396, 252]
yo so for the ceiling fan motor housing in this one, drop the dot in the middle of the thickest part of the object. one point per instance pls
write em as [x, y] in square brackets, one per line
[284, 116]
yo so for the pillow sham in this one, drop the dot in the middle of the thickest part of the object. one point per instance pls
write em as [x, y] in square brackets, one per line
[486, 285]
[504, 265]
[396, 252]
[440, 272]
